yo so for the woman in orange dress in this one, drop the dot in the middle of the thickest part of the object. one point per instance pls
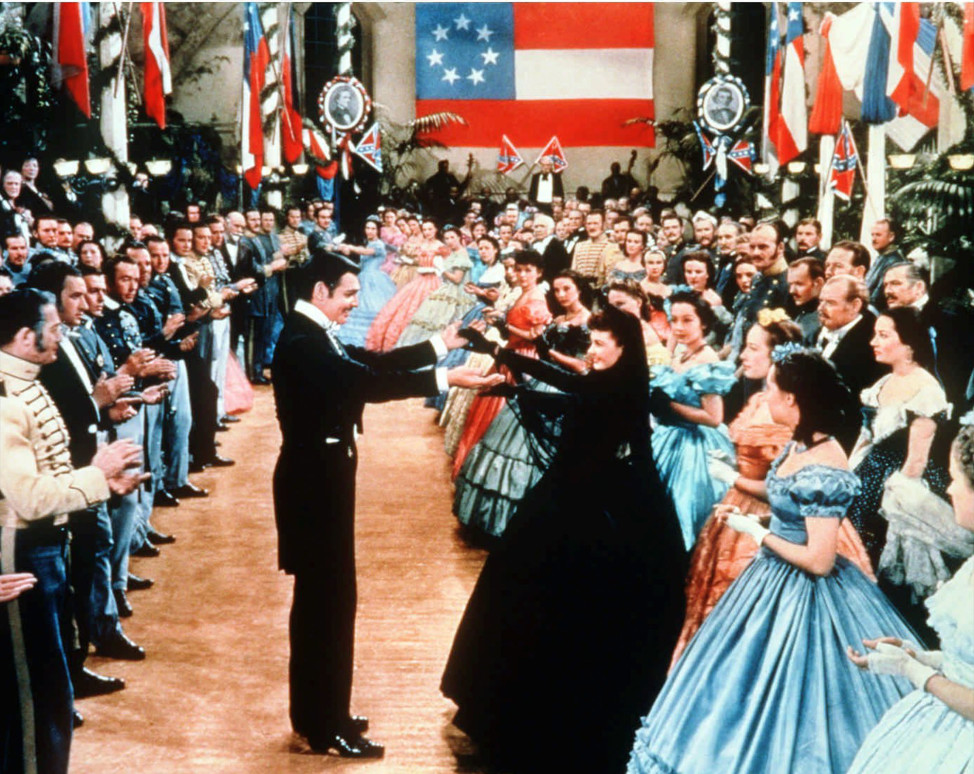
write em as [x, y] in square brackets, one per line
[721, 554]
[393, 318]
[526, 320]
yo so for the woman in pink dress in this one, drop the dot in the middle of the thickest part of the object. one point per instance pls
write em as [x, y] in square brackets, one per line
[393, 239]
[526, 320]
[395, 316]
[405, 270]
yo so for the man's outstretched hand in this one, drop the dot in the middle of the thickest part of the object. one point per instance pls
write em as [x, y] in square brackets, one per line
[471, 378]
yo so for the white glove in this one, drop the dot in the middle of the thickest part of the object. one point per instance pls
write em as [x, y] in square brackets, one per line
[930, 658]
[888, 659]
[721, 470]
[749, 525]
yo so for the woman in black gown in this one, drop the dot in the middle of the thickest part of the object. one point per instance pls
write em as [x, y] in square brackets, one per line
[567, 635]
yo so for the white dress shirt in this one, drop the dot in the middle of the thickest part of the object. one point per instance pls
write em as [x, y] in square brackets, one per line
[829, 340]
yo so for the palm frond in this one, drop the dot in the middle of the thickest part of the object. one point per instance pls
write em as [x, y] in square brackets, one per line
[436, 121]
[639, 120]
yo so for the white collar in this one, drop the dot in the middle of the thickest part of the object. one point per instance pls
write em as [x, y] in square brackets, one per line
[316, 316]
[839, 333]
[111, 303]
[921, 302]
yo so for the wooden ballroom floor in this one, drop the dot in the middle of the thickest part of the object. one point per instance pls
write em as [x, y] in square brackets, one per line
[212, 694]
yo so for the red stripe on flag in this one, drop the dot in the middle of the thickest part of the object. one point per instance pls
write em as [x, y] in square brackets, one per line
[72, 56]
[532, 122]
[583, 25]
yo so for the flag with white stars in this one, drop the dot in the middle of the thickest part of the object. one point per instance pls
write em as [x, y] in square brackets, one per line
[534, 70]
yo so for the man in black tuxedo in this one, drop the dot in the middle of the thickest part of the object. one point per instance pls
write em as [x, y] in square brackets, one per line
[847, 328]
[321, 388]
[545, 186]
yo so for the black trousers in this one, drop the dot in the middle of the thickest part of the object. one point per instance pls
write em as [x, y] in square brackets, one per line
[203, 394]
[322, 631]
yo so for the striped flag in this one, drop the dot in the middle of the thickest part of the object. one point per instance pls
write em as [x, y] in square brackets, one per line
[290, 118]
[256, 57]
[70, 57]
[877, 107]
[581, 73]
[772, 85]
[792, 137]
[158, 77]
[508, 159]
[906, 81]
[967, 46]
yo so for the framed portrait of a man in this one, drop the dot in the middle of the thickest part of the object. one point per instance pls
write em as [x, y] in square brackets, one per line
[722, 102]
[344, 104]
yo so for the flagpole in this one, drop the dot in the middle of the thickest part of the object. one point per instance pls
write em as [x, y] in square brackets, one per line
[113, 120]
[125, 43]
[874, 182]
[826, 196]
[281, 47]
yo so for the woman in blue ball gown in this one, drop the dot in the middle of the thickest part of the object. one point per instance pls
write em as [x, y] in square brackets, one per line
[502, 466]
[689, 411]
[932, 729]
[568, 628]
[377, 286]
[765, 685]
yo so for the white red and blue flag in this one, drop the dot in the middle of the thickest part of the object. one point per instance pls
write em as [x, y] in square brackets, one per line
[70, 56]
[554, 153]
[742, 154]
[508, 158]
[256, 58]
[772, 86]
[580, 73]
[369, 148]
[791, 138]
[709, 153]
[845, 159]
[158, 76]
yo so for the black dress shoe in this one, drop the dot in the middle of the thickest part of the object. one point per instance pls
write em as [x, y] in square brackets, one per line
[222, 428]
[216, 461]
[123, 604]
[229, 419]
[159, 538]
[136, 583]
[197, 467]
[190, 490]
[147, 550]
[348, 746]
[87, 683]
[359, 724]
[260, 380]
[120, 647]
[165, 499]
[77, 720]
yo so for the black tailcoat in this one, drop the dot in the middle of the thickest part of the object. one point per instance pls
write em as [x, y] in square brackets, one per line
[320, 393]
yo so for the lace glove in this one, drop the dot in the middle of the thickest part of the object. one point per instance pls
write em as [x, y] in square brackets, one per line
[749, 525]
[888, 659]
[478, 342]
[720, 468]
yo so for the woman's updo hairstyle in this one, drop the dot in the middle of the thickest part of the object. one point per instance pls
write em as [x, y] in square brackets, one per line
[913, 333]
[824, 400]
[706, 314]
[632, 289]
[581, 284]
[530, 257]
[781, 331]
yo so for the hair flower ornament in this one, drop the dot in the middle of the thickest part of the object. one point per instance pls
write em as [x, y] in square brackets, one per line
[768, 316]
[782, 351]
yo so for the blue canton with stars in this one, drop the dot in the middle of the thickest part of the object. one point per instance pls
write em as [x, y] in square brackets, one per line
[465, 51]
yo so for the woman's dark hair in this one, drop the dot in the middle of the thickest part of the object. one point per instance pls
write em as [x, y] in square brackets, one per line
[584, 289]
[101, 249]
[700, 257]
[632, 289]
[913, 333]
[493, 241]
[532, 257]
[823, 398]
[449, 227]
[640, 234]
[781, 332]
[701, 307]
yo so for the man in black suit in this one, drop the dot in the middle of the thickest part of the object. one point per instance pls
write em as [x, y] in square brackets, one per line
[545, 186]
[847, 328]
[321, 387]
